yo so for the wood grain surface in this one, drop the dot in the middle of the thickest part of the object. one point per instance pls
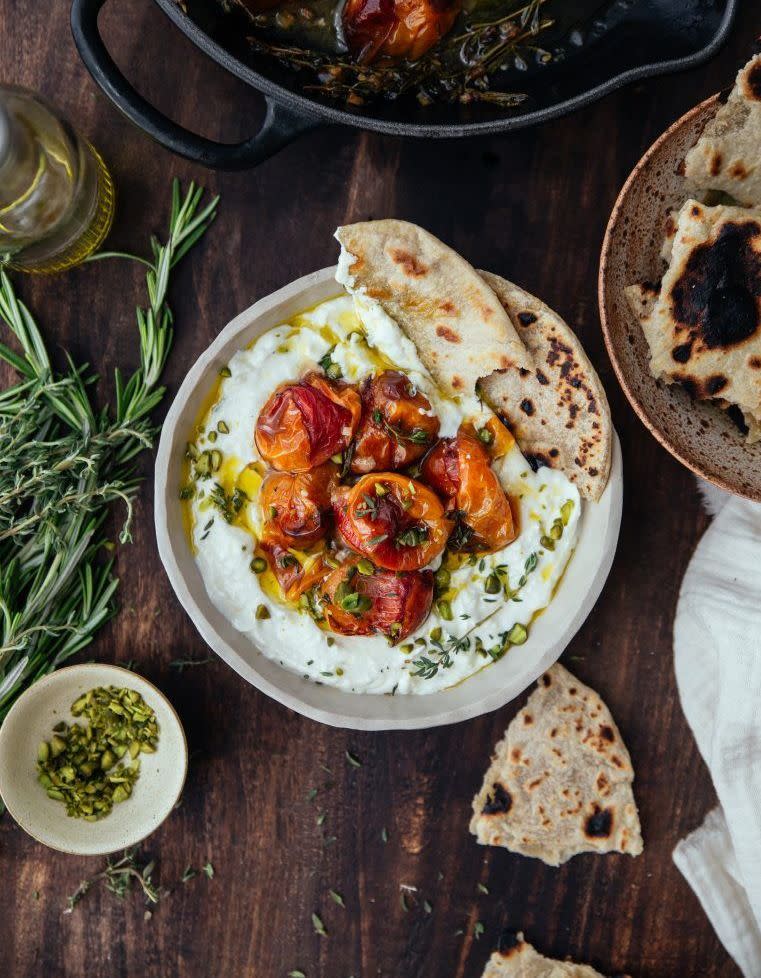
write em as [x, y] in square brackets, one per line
[533, 207]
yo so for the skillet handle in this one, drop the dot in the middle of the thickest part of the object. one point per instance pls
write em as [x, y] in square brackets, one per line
[280, 125]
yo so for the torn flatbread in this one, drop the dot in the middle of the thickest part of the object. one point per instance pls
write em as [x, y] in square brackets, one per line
[457, 324]
[642, 300]
[727, 156]
[705, 328]
[560, 781]
[556, 408]
[516, 958]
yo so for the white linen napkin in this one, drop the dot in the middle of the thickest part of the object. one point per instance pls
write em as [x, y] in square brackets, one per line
[717, 656]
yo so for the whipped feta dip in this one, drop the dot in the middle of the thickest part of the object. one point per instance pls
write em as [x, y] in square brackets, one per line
[363, 341]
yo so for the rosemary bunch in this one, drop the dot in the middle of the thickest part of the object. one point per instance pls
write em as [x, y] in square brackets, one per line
[63, 461]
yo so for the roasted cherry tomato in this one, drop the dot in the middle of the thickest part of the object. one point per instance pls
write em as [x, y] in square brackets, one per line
[398, 425]
[304, 423]
[359, 598]
[294, 577]
[396, 28]
[397, 522]
[459, 469]
[296, 505]
[496, 437]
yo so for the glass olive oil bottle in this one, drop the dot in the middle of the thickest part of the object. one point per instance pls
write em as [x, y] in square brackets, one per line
[56, 194]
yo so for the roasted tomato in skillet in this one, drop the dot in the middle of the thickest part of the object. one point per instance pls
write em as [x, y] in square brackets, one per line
[294, 577]
[303, 424]
[396, 28]
[359, 598]
[398, 425]
[296, 505]
[392, 519]
[458, 468]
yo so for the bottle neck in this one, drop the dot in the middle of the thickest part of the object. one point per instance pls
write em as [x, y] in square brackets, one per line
[5, 136]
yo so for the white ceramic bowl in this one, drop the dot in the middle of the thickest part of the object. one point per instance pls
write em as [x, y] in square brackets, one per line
[487, 690]
[32, 719]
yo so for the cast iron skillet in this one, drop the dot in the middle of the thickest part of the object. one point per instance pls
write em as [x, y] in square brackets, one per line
[622, 41]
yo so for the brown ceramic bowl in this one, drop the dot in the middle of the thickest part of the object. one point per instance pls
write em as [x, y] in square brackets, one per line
[702, 437]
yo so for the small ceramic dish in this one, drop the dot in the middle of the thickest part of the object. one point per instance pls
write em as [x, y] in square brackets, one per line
[487, 690]
[700, 436]
[31, 720]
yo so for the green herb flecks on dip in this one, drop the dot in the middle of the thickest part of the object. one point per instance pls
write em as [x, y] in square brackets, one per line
[92, 767]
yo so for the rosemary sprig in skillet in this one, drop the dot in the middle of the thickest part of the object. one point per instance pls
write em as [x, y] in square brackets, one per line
[457, 69]
[63, 462]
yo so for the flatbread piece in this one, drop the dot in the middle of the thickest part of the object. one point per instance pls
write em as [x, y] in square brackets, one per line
[557, 408]
[560, 781]
[727, 156]
[705, 328]
[516, 958]
[439, 301]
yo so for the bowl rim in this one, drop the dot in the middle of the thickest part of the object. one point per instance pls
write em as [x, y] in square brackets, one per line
[53, 678]
[448, 713]
[712, 102]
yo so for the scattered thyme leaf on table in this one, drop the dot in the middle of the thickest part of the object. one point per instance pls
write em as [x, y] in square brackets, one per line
[63, 461]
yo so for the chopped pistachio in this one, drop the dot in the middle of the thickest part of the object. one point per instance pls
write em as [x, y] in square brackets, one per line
[258, 565]
[262, 612]
[442, 578]
[82, 766]
[517, 634]
[444, 609]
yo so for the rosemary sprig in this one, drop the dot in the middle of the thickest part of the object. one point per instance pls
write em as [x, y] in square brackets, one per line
[63, 462]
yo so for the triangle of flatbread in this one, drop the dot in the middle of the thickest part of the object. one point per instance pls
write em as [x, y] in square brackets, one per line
[557, 409]
[439, 301]
[560, 782]
[727, 156]
[516, 958]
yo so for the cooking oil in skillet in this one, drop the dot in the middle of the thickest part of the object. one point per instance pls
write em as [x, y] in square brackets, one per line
[56, 194]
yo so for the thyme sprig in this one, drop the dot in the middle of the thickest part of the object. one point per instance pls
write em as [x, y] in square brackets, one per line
[63, 461]
[118, 877]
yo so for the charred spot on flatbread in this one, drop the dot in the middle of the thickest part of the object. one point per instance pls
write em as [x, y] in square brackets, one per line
[526, 318]
[498, 802]
[751, 83]
[448, 334]
[599, 824]
[568, 776]
[717, 295]
[509, 942]
[410, 265]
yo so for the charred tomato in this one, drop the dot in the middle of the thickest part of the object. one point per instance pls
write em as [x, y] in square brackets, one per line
[303, 424]
[398, 425]
[392, 519]
[359, 598]
[458, 468]
[297, 505]
[396, 28]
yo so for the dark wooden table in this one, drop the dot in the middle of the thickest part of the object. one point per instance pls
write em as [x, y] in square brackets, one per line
[533, 207]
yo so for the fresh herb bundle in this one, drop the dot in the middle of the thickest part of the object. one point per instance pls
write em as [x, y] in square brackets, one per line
[63, 461]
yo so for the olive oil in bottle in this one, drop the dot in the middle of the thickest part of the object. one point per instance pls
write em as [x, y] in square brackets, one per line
[56, 194]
